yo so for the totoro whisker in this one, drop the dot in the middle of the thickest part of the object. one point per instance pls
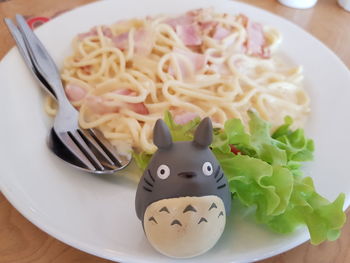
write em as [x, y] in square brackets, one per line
[219, 179]
[221, 186]
[150, 175]
[147, 189]
[147, 182]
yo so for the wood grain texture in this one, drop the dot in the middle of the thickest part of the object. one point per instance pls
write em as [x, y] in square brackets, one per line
[21, 241]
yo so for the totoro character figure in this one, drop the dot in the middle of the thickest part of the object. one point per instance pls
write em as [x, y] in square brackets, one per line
[183, 196]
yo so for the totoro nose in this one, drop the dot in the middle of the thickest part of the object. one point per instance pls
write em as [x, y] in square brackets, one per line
[187, 174]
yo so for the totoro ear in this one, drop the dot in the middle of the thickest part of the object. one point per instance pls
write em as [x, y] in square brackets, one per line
[161, 135]
[204, 133]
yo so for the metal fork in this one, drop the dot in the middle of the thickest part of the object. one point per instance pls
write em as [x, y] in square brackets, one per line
[89, 146]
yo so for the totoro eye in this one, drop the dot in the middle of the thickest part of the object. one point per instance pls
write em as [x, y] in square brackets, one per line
[207, 169]
[163, 171]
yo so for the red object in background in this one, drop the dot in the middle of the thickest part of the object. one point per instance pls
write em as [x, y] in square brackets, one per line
[234, 150]
[37, 21]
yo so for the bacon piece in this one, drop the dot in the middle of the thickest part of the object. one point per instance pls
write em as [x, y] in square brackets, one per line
[184, 117]
[198, 61]
[121, 41]
[256, 38]
[220, 68]
[202, 14]
[125, 92]
[75, 92]
[256, 43]
[106, 31]
[190, 26]
[143, 38]
[207, 27]
[98, 104]
[203, 17]
[243, 19]
[189, 34]
[220, 33]
[180, 21]
[139, 108]
[186, 28]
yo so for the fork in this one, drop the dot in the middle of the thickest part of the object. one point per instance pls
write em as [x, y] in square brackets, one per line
[88, 146]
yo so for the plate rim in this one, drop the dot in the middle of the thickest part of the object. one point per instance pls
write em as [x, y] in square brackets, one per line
[70, 240]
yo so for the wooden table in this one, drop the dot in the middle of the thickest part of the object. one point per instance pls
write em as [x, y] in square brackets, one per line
[21, 241]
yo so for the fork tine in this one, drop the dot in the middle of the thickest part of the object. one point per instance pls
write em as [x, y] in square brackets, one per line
[77, 138]
[91, 140]
[105, 145]
[74, 149]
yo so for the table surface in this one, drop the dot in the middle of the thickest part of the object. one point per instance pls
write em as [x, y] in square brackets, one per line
[21, 241]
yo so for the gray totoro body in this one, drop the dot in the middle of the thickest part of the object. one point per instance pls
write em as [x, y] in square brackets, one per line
[183, 195]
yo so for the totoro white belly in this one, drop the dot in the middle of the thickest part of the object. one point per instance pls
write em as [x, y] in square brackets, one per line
[185, 227]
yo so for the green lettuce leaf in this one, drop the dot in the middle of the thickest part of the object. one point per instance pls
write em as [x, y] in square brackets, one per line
[181, 132]
[322, 218]
[267, 174]
[255, 182]
[142, 159]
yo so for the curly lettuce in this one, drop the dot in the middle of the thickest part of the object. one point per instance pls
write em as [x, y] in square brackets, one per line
[264, 172]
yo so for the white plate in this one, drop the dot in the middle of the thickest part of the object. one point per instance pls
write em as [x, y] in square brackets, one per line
[96, 214]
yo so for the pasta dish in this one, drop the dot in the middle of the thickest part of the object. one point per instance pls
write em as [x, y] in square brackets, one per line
[123, 77]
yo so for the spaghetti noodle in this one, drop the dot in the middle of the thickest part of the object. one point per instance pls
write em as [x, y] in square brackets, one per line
[123, 77]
